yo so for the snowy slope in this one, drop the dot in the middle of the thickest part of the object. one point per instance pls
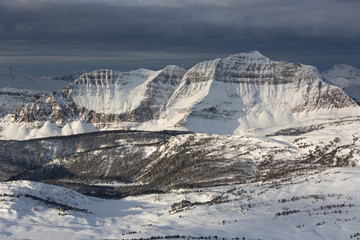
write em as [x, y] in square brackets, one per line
[323, 205]
[346, 77]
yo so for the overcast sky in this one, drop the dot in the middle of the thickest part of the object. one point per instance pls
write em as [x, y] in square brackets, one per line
[61, 36]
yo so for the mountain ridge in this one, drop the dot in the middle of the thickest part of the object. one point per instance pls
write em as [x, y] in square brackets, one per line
[13, 78]
[242, 91]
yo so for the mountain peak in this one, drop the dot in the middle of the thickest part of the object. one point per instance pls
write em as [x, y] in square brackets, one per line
[174, 70]
[252, 55]
[173, 67]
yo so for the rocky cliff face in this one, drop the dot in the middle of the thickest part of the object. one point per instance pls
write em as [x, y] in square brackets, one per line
[220, 96]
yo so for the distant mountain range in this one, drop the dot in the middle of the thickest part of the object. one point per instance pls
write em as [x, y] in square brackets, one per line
[18, 88]
[346, 77]
[67, 78]
[13, 78]
[223, 96]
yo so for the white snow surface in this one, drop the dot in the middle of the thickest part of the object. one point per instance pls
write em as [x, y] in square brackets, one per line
[322, 205]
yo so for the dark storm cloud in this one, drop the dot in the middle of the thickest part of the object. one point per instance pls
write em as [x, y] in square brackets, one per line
[173, 30]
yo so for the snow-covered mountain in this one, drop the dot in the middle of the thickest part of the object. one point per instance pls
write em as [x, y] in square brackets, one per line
[346, 77]
[223, 96]
[249, 91]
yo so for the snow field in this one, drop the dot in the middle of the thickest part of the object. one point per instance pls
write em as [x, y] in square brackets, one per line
[324, 205]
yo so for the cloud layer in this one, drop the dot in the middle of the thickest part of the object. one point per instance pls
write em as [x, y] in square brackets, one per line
[175, 30]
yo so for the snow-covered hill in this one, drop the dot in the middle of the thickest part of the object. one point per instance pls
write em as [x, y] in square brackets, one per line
[322, 205]
[346, 77]
[222, 96]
